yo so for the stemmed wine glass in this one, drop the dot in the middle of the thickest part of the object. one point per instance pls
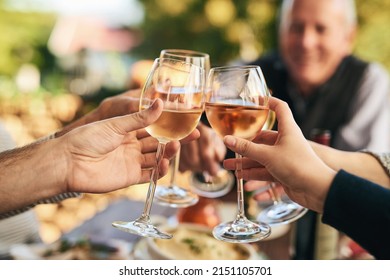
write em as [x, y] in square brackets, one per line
[174, 195]
[237, 104]
[180, 85]
[202, 183]
[282, 211]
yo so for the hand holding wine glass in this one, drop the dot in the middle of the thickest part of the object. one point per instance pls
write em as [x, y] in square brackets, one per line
[180, 85]
[278, 156]
[237, 104]
[281, 211]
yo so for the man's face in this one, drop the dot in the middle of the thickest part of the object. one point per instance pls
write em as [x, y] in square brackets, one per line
[314, 38]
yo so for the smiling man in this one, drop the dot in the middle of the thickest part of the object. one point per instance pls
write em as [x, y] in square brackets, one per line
[314, 39]
[326, 86]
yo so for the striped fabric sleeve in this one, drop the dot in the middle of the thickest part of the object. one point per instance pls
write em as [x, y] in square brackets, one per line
[45, 138]
[54, 199]
[383, 158]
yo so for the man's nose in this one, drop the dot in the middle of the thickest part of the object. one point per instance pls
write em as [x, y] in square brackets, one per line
[308, 38]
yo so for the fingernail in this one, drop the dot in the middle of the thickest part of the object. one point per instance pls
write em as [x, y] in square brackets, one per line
[230, 141]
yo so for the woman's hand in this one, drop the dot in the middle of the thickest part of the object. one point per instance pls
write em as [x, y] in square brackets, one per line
[284, 156]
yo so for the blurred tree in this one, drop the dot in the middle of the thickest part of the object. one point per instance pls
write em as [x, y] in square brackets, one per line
[373, 40]
[23, 38]
[225, 29]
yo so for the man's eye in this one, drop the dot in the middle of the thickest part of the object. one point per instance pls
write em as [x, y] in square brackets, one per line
[321, 29]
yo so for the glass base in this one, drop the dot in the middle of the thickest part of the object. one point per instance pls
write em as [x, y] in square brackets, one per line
[212, 186]
[282, 213]
[146, 230]
[241, 231]
[175, 197]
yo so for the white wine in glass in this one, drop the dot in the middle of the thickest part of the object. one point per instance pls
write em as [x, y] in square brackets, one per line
[237, 104]
[174, 195]
[180, 85]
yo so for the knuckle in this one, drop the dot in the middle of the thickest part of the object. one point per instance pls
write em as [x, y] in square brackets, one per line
[141, 118]
[244, 147]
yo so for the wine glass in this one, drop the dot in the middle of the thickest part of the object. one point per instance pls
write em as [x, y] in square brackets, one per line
[174, 195]
[180, 85]
[237, 104]
[202, 184]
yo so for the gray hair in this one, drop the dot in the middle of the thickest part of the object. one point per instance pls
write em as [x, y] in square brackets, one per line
[349, 9]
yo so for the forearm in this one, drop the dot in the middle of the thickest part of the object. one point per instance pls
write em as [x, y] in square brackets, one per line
[29, 174]
[358, 163]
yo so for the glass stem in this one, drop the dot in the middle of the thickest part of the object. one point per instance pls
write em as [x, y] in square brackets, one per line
[274, 193]
[145, 217]
[174, 168]
[240, 189]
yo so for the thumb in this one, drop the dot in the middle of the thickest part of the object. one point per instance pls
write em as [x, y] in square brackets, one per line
[245, 148]
[138, 120]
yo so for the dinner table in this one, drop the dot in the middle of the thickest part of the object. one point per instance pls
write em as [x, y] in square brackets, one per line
[99, 228]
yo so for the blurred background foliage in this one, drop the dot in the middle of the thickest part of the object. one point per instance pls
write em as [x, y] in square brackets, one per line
[373, 40]
[225, 29]
[23, 38]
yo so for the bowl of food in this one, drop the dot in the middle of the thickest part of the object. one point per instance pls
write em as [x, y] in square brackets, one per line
[196, 242]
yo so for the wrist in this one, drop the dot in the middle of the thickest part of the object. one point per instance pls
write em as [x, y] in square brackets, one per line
[316, 182]
[324, 181]
[57, 156]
